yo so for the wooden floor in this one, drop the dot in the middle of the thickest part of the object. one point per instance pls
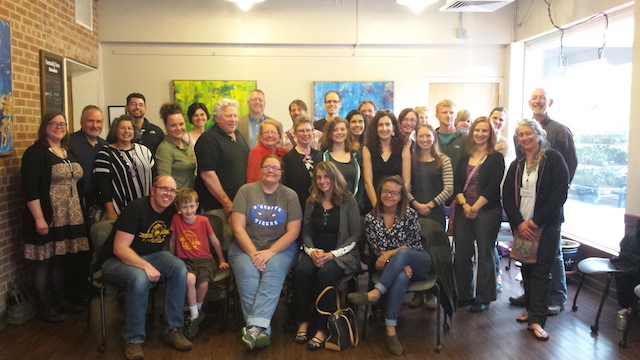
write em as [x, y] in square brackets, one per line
[493, 334]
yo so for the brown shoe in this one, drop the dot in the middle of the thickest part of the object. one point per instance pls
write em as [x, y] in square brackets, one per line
[432, 302]
[417, 301]
[133, 351]
[176, 339]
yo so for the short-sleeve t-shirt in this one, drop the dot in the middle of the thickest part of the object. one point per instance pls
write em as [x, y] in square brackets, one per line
[192, 240]
[151, 229]
[267, 214]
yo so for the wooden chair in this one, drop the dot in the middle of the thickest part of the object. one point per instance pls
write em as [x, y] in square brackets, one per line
[596, 266]
[634, 313]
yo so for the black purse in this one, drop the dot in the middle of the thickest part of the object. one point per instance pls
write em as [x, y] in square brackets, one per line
[342, 325]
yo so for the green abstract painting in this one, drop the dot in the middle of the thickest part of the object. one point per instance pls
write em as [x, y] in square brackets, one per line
[186, 92]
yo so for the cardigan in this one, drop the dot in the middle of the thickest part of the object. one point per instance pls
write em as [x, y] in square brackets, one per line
[348, 233]
[488, 178]
[551, 190]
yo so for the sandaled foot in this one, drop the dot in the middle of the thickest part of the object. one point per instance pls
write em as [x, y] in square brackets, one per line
[301, 337]
[538, 332]
[524, 317]
[315, 343]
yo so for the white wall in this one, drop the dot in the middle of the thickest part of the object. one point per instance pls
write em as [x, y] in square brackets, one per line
[287, 44]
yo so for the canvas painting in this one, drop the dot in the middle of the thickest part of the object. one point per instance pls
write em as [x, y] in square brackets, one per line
[352, 93]
[186, 92]
[6, 96]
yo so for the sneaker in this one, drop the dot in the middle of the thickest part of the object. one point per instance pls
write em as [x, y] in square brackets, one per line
[263, 339]
[517, 301]
[555, 309]
[191, 326]
[250, 336]
[133, 351]
[432, 302]
[175, 338]
[417, 301]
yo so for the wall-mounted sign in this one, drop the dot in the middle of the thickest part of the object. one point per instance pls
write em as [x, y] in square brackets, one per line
[51, 82]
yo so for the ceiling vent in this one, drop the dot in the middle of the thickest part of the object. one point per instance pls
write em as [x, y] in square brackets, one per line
[474, 5]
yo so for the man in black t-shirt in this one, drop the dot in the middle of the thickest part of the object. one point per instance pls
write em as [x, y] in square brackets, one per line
[138, 239]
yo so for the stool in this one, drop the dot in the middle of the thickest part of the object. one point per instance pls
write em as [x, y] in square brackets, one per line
[595, 266]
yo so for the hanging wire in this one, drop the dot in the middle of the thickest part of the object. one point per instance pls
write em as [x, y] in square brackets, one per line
[563, 59]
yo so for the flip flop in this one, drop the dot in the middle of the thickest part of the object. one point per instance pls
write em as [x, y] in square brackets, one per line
[539, 332]
[524, 317]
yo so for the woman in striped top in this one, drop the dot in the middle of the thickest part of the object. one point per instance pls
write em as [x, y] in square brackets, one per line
[123, 169]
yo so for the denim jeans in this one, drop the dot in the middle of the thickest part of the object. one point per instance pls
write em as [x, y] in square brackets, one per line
[536, 277]
[484, 230]
[260, 291]
[558, 289]
[395, 281]
[136, 285]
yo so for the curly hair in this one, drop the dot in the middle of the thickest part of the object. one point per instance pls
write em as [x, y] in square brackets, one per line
[111, 137]
[398, 140]
[168, 109]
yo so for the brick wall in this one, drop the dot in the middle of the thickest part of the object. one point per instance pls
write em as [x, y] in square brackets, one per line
[35, 25]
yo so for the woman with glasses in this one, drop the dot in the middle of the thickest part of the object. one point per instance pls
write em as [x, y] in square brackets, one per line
[175, 155]
[356, 129]
[123, 169]
[384, 154]
[268, 141]
[198, 115]
[266, 219]
[478, 214]
[53, 221]
[393, 231]
[299, 162]
[330, 233]
[337, 148]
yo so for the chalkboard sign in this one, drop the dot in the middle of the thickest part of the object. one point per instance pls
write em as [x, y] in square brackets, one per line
[51, 82]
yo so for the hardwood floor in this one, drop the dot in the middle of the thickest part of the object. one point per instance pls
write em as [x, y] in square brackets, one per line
[493, 334]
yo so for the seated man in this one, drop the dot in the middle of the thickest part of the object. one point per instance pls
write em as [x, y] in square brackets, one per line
[138, 238]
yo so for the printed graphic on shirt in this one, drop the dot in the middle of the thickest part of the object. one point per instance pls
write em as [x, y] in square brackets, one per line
[267, 215]
[156, 233]
[189, 241]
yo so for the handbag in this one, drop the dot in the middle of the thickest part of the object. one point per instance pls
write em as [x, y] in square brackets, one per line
[342, 325]
[525, 250]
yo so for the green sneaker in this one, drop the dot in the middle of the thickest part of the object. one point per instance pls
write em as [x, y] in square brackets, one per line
[263, 339]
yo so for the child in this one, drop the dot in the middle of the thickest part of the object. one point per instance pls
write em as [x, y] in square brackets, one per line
[190, 232]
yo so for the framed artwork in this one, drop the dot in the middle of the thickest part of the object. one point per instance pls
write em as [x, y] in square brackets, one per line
[352, 94]
[52, 82]
[6, 89]
[115, 112]
[208, 92]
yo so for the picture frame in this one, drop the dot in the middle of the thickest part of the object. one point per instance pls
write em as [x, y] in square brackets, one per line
[352, 94]
[6, 90]
[114, 112]
[52, 83]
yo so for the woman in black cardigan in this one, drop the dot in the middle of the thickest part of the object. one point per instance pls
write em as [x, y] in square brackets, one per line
[298, 163]
[478, 214]
[535, 191]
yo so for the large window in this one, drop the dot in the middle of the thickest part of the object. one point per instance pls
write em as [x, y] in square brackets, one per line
[590, 84]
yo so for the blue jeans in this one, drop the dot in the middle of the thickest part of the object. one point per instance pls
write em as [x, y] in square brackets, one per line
[136, 285]
[260, 291]
[484, 230]
[395, 281]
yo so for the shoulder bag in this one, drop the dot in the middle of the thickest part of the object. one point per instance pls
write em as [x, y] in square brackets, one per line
[342, 325]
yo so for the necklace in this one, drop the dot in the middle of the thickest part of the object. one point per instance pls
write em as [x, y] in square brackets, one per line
[64, 158]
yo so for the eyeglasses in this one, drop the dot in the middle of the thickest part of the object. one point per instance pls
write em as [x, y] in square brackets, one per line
[256, 100]
[166, 190]
[57, 124]
[389, 192]
[332, 101]
[271, 167]
[138, 104]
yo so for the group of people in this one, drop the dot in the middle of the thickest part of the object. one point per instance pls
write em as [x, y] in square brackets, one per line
[323, 187]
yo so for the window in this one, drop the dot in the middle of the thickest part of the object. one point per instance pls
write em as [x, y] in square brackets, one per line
[590, 85]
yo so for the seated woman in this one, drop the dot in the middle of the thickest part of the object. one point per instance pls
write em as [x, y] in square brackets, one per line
[331, 230]
[123, 169]
[268, 141]
[534, 193]
[266, 219]
[175, 155]
[393, 231]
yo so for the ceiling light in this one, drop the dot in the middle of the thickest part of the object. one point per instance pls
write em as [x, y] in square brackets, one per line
[416, 5]
[245, 5]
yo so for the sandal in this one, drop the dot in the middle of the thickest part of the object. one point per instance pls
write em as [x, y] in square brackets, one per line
[524, 317]
[301, 337]
[539, 332]
[315, 343]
